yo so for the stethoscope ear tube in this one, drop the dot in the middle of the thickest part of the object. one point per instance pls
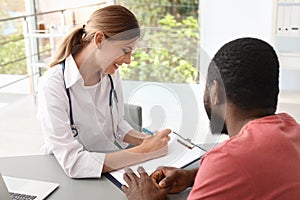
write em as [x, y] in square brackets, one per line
[113, 94]
[72, 124]
[110, 97]
[112, 89]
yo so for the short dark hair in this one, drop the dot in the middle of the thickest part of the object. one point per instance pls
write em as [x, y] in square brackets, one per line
[249, 70]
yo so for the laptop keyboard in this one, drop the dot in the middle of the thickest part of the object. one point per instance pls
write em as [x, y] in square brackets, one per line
[17, 196]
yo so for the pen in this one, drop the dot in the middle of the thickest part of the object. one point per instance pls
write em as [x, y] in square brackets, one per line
[148, 131]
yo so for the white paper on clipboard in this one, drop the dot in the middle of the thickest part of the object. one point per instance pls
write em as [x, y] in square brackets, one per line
[178, 156]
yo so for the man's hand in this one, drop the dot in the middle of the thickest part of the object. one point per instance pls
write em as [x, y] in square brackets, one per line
[143, 187]
[175, 179]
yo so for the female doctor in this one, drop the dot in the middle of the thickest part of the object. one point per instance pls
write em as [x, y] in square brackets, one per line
[81, 103]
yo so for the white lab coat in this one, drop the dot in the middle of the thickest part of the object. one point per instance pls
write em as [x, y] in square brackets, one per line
[82, 156]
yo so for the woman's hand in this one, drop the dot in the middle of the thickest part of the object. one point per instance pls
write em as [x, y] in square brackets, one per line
[156, 142]
[156, 145]
[152, 147]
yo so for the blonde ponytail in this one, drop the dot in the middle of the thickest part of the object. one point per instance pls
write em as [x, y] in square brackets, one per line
[71, 44]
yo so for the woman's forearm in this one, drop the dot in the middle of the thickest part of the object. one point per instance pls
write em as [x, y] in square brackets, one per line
[151, 147]
[120, 159]
[135, 137]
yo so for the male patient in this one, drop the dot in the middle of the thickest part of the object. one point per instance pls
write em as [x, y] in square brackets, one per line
[261, 160]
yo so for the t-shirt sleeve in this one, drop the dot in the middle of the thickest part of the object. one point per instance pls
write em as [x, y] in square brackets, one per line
[220, 177]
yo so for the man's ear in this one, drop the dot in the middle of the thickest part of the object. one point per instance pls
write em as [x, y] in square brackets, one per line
[99, 38]
[217, 93]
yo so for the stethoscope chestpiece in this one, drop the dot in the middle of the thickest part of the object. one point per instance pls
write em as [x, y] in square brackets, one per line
[74, 130]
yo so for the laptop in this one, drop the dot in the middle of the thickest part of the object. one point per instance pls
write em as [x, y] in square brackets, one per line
[16, 188]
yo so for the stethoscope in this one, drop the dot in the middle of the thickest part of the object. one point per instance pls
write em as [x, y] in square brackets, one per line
[113, 99]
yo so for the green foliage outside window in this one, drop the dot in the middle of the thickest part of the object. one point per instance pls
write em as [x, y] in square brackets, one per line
[149, 11]
[168, 53]
[12, 51]
[168, 47]
[12, 55]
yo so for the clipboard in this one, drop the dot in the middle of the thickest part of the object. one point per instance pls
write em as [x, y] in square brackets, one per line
[181, 153]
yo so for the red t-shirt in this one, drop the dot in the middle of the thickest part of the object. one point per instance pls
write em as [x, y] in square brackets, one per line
[261, 162]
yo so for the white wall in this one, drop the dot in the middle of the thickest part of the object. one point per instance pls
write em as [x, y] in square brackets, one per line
[225, 20]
